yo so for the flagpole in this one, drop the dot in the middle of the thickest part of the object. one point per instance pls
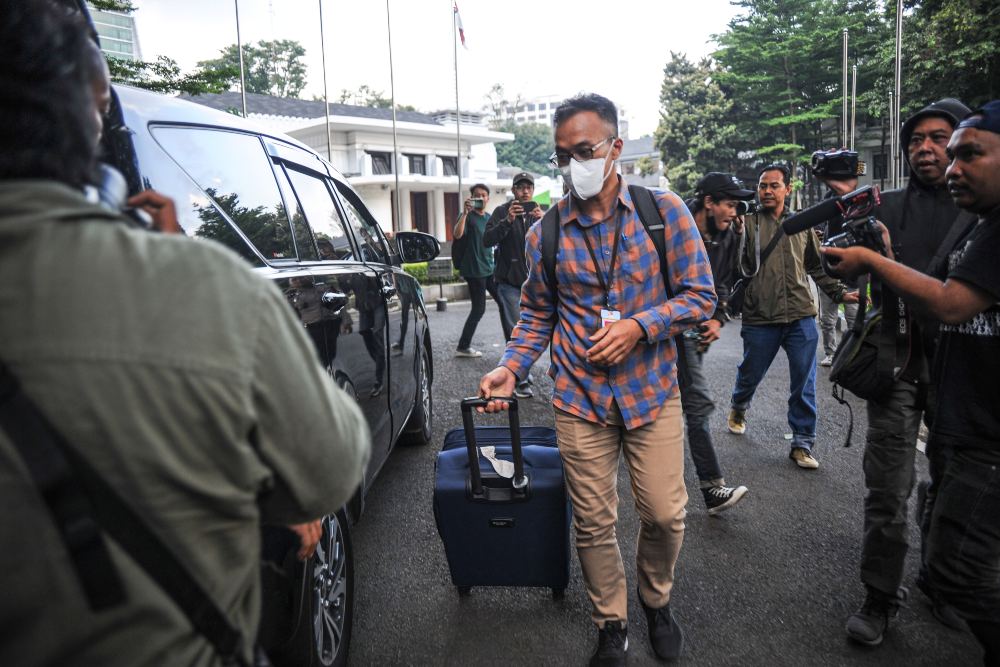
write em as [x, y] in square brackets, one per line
[239, 49]
[458, 109]
[898, 157]
[395, 145]
[326, 97]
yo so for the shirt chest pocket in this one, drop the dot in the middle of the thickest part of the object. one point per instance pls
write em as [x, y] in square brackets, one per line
[637, 260]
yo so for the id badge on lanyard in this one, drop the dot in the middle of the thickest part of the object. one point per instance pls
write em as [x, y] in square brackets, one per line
[609, 317]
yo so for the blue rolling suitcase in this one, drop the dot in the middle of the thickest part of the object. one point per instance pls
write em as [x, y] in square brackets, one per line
[500, 531]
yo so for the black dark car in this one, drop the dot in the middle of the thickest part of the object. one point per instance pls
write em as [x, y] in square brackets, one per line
[291, 215]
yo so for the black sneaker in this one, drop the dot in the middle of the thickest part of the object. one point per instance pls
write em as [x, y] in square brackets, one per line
[612, 643]
[868, 624]
[665, 635]
[943, 612]
[720, 498]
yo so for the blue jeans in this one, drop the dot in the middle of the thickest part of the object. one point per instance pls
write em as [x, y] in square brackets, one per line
[510, 307]
[760, 346]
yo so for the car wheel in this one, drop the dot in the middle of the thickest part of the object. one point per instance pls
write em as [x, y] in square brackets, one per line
[326, 583]
[419, 428]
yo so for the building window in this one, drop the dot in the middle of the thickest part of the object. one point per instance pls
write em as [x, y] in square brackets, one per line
[418, 164]
[879, 167]
[541, 107]
[449, 165]
[381, 163]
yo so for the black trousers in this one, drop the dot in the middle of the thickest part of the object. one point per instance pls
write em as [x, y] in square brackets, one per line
[477, 294]
[963, 542]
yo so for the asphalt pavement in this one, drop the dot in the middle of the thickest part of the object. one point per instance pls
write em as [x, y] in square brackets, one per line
[770, 582]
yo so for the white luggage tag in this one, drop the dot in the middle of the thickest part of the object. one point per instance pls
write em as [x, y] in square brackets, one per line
[502, 468]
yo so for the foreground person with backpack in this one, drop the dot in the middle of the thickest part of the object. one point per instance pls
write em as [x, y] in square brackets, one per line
[610, 317]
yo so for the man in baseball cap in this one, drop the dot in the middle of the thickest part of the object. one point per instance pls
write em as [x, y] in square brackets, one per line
[506, 229]
[715, 210]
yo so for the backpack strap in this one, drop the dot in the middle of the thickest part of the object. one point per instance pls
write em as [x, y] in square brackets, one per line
[550, 248]
[82, 504]
[649, 214]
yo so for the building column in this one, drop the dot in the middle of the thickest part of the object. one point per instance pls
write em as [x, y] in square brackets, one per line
[438, 221]
[405, 218]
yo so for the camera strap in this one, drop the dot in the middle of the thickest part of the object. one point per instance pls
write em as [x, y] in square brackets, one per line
[761, 257]
[84, 507]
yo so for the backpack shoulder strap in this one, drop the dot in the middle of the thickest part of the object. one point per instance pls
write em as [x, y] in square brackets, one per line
[649, 214]
[550, 248]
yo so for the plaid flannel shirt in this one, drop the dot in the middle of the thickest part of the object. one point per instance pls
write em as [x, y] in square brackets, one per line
[646, 378]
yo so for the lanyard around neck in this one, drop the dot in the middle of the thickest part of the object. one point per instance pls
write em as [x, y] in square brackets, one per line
[606, 285]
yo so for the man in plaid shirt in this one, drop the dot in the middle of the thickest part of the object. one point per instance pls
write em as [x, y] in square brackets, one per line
[610, 325]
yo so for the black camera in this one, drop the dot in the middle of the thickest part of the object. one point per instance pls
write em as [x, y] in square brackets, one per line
[863, 232]
[837, 165]
[746, 207]
[848, 218]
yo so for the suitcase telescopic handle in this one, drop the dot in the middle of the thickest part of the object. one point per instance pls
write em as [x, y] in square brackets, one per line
[519, 481]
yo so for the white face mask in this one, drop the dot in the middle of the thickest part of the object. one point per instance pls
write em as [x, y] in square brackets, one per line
[585, 179]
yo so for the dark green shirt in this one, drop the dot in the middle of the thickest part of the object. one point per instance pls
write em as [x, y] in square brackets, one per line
[478, 259]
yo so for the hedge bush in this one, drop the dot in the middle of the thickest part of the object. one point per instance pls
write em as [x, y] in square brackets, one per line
[419, 271]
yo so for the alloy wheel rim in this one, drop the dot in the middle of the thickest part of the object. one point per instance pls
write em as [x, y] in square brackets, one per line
[425, 389]
[330, 591]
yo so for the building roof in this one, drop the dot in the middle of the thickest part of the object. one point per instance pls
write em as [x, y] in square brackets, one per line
[269, 105]
[636, 148]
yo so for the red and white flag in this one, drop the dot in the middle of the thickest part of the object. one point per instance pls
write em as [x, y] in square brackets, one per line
[458, 23]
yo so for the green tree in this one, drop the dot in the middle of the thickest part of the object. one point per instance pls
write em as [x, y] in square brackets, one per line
[500, 109]
[694, 134]
[162, 75]
[270, 67]
[533, 144]
[366, 96]
[780, 64]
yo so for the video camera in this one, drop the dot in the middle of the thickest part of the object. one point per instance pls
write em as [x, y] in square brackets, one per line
[837, 164]
[849, 220]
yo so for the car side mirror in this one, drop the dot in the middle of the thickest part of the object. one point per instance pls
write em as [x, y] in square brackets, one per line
[417, 247]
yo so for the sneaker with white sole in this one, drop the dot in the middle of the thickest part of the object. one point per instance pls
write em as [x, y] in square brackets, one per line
[737, 421]
[720, 498]
[803, 458]
[468, 352]
[827, 360]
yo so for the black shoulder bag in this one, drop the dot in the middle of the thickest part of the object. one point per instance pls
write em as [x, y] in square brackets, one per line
[83, 507]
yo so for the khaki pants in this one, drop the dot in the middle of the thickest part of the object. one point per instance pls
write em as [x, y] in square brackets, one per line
[655, 457]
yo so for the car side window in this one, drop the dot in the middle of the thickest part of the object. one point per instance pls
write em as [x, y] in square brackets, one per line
[300, 229]
[233, 169]
[366, 229]
[322, 215]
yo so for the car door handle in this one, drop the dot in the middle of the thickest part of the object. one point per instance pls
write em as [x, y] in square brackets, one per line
[388, 291]
[334, 300]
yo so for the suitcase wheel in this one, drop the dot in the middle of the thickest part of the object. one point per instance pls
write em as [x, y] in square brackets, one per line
[558, 593]
[464, 591]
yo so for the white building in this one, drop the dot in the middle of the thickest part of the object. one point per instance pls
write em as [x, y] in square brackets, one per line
[361, 148]
[116, 31]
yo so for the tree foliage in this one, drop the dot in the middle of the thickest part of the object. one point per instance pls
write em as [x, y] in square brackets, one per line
[499, 108]
[694, 135]
[271, 67]
[533, 144]
[365, 96]
[164, 76]
[113, 5]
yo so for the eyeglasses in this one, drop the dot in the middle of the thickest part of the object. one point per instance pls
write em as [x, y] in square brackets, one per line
[560, 159]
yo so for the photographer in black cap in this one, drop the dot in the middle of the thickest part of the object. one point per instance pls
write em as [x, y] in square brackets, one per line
[919, 218]
[715, 210]
[962, 546]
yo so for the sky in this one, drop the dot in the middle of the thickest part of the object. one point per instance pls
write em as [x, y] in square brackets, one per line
[532, 47]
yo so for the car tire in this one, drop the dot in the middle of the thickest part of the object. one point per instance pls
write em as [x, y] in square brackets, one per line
[419, 428]
[326, 602]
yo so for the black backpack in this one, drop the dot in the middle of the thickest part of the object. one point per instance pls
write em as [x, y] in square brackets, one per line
[649, 214]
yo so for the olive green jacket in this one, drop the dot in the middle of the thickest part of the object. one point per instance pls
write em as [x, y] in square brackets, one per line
[185, 380]
[780, 292]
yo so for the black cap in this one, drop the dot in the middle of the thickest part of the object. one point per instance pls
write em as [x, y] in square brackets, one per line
[718, 185]
[949, 108]
[523, 176]
[986, 117]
